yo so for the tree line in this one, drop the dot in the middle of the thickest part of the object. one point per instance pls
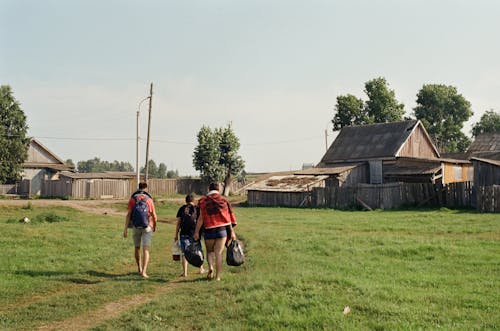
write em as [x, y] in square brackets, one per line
[98, 165]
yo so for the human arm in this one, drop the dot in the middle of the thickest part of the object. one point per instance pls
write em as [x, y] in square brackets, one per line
[177, 228]
[197, 229]
[127, 223]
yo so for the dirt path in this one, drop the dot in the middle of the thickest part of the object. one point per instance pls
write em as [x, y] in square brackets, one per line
[90, 206]
[109, 311]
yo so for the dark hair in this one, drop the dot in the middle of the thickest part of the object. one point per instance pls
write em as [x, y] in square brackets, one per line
[143, 185]
[213, 186]
[189, 198]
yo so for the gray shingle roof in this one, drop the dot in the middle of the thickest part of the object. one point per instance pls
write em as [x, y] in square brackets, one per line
[369, 141]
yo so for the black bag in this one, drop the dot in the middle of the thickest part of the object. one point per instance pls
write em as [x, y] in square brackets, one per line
[234, 254]
[194, 254]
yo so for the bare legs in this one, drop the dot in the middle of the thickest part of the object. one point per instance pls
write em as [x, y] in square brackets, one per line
[142, 268]
[215, 247]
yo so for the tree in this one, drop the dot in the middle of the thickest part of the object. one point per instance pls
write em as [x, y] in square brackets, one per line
[13, 140]
[232, 163]
[382, 106]
[216, 156]
[349, 111]
[173, 174]
[69, 163]
[443, 111]
[162, 171]
[96, 165]
[489, 122]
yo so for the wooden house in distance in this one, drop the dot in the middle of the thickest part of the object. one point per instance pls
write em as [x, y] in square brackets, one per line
[41, 164]
[388, 152]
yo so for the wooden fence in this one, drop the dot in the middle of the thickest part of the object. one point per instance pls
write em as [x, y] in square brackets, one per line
[394, 195]
[384, 196]
[119, 189]
[488, 199]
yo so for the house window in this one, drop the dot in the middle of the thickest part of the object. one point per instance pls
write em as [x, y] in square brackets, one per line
[457, 173]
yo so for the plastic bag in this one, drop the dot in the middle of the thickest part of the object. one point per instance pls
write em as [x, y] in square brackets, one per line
[234, 254]
[176, 251]
[194, 254]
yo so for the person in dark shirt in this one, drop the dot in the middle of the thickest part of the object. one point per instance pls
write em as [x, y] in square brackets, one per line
[187, 216]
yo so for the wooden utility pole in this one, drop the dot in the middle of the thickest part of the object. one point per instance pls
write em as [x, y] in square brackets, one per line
[146, 175]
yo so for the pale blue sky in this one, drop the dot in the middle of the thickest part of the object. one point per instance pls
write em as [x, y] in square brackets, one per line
[272, 68]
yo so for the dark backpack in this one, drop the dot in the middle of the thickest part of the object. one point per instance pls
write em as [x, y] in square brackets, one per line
[140, 212]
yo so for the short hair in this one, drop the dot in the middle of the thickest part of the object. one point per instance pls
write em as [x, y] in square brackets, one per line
[189, 198]
[143, 185]
[214, 186]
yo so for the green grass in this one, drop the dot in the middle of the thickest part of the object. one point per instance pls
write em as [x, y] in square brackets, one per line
[397, 270]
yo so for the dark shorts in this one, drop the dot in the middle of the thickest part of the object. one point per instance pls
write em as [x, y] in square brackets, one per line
[185, 241]
[215, 233]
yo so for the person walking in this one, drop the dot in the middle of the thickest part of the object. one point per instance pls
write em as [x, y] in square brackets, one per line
[187, 216]
[141, 216]
[218, 220]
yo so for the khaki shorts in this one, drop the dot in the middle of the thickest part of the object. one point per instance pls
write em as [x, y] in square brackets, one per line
[143, 235]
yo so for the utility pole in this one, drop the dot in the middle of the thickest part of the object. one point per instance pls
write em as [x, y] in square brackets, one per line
[149, 130]
[326, 140]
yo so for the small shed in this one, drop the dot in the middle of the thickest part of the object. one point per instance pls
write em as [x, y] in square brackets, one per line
[286, 191]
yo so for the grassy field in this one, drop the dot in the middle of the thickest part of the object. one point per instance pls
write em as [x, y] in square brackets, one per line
[397, 270]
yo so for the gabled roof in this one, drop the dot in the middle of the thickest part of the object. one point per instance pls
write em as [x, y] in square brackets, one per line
[363, 142]
[486, 146]
[40, 156]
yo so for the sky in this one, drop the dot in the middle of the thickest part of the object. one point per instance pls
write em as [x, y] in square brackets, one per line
[271, 68]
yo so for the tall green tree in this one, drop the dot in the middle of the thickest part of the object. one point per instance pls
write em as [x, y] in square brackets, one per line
[349, 110]
[13, 140]
[489, 122]
[216, 155]
[382, 106]
[443, 112]
[232, 163]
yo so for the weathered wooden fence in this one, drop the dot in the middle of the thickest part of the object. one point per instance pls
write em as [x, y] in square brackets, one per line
[119, 189]
[383, 196]
[282, 199]
[394, 195]
[488, 199]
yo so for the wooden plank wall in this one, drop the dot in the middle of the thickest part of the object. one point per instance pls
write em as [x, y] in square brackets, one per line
[488, 199]
[282, 199]
[394, 195]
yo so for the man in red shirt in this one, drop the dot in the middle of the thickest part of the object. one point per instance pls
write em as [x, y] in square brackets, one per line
[218, 220]
[142, 232]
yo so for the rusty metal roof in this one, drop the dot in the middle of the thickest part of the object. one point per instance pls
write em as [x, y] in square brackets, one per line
[290, 183]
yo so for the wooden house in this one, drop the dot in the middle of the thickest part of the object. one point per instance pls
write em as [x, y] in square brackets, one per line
[391, 152]
[486, 172]
[41, 164]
